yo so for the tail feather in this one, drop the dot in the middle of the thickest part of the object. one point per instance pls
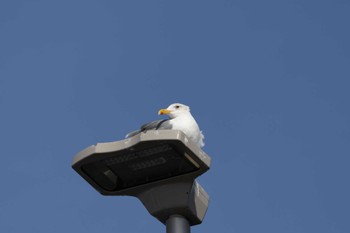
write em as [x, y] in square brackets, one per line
[133, 133]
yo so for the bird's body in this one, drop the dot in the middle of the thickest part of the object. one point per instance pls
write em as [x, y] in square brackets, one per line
[180, 119]
[187, 124]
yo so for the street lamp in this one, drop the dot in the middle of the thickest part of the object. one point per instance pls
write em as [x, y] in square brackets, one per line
[159, 167]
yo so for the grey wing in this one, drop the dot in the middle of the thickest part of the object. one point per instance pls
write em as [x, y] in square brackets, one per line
[154, 125]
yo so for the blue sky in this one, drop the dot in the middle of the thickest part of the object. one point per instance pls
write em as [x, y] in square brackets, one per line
[268, 82]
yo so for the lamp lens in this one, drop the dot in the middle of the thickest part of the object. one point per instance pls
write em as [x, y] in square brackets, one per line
[133, 168]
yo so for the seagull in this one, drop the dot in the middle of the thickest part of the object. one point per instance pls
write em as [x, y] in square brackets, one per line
[180, 118]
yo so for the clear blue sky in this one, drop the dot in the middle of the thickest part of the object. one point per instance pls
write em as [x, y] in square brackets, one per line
[268, 82]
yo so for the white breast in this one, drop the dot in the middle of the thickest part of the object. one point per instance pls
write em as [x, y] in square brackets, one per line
[189, 126]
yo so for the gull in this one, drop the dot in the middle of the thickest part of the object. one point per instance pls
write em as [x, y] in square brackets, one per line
[180, 118]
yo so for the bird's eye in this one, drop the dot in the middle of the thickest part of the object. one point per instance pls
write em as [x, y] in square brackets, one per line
[177, 106]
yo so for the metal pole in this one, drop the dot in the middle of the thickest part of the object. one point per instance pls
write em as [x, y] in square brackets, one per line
[177, 224]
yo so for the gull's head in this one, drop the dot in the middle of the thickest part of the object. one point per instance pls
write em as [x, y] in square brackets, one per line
[175, 110]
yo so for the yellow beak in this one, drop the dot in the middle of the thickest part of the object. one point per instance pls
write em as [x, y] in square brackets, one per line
[164, 112]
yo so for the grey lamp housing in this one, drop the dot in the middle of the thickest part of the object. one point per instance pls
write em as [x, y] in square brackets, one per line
[185, 199]
[158, 166]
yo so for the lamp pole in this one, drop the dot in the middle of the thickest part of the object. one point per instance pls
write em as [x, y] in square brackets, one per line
[177, 224]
